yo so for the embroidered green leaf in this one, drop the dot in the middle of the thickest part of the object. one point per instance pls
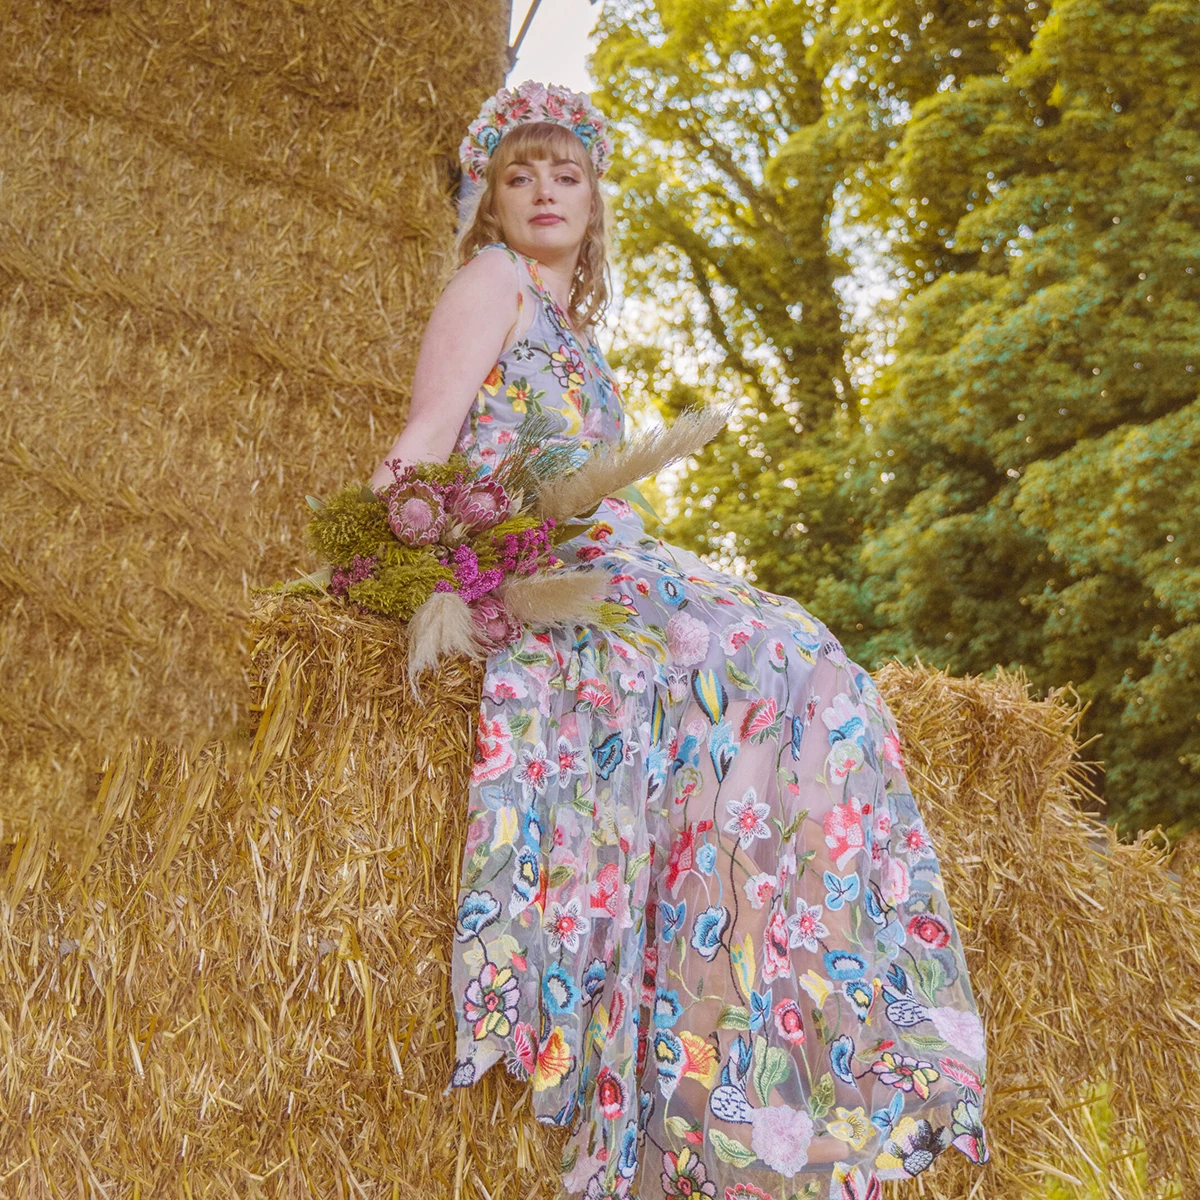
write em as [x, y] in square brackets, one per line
[635, 864]
[931, 975]
[793, 825]
[680, 1126]
[519, 724]
[855, 922]
[737, 676]
[821, 1026]
[730, 1151]
[811, 1190]
[926, 1041]
[823, 1096]
[533, 658]
[771, 1067]
[733, 1017]
[560, 874]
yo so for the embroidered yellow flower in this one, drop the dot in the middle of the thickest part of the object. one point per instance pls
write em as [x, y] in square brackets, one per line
[852, 1126]
[701, 1058]
[553, 1062]
[816, 987]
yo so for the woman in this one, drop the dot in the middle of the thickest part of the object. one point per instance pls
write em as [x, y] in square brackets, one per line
[699, 908]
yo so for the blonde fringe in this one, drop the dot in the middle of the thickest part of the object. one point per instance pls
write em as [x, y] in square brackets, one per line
[608, 471]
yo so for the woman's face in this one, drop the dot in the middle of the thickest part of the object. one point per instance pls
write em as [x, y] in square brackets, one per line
[543, 207]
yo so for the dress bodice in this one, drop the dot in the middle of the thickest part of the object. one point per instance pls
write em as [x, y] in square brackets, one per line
[550, 369]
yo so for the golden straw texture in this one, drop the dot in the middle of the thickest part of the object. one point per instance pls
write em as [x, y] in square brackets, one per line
[223, 228]
[243, 988]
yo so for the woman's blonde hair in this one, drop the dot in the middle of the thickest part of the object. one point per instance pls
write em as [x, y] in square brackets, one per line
[544, 139]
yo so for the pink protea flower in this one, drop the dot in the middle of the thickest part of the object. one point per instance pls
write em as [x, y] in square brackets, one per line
[494, 626]
[415, 513]
[477, 504]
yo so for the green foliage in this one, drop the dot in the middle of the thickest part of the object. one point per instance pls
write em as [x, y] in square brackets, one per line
[1000, 466]
[350, 522]
[1040, 415]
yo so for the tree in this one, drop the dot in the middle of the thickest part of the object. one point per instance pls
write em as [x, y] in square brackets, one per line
[1040, 415]
[726, 182]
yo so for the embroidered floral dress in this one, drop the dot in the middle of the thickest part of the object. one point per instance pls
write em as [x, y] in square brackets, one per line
[699, 908]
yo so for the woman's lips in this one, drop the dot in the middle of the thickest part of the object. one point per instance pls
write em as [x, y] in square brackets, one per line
[545, 219]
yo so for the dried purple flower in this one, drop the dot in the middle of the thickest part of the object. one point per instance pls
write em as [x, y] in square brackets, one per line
[476, 504]
[494, 626]
[415, 512]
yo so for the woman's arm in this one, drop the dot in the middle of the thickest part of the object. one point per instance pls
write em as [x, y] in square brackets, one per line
[467, 332]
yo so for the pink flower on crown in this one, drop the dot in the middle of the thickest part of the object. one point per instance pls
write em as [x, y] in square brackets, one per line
[533, 101]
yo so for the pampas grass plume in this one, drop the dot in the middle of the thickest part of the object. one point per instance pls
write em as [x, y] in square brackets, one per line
[568, 597]
[441, 627]
[607, 471]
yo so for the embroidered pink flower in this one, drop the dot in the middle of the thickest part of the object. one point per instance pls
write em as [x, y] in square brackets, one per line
[760, 716]
[682, 857]
[781, 1137]
[603, 899]
[565, 925]
[844, 832]
[610, 1093]
[894, 880]
[963, 1030]
[494, 753]
[747, 818]
[734, 637]
[960, 1073]
[775, 947]
[537, 770]
[930, 929]
[891, 749]
[687, 640]
[759, 887]
[789, 1022]
[805, 926]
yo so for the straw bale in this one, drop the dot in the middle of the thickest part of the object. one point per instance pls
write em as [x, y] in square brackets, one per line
[242, 989]
[223, 227]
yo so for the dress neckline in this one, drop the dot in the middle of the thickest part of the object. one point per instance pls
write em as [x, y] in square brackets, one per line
[546, 295]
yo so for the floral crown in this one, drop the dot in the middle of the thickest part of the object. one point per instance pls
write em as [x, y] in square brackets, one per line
[528, 103]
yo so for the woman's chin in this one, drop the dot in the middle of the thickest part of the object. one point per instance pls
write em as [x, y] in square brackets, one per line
[539, 240]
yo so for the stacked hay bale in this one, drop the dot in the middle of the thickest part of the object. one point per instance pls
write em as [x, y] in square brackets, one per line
[223, 227]
[243, 988]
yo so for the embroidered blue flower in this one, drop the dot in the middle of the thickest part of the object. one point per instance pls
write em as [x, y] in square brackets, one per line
[721, 748]
[861, 996]
[843, 964]
[667, 1009]
[608, 754]
[593, 977]
[670, 590]
[477, 910]
[627, 1161]
[706, 857]
[706, 934]
[841, 1058]
[559, 993]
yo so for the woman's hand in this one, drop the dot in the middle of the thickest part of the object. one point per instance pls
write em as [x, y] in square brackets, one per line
[467, 332]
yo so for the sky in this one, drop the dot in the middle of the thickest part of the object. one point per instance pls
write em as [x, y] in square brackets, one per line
[554, 47]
